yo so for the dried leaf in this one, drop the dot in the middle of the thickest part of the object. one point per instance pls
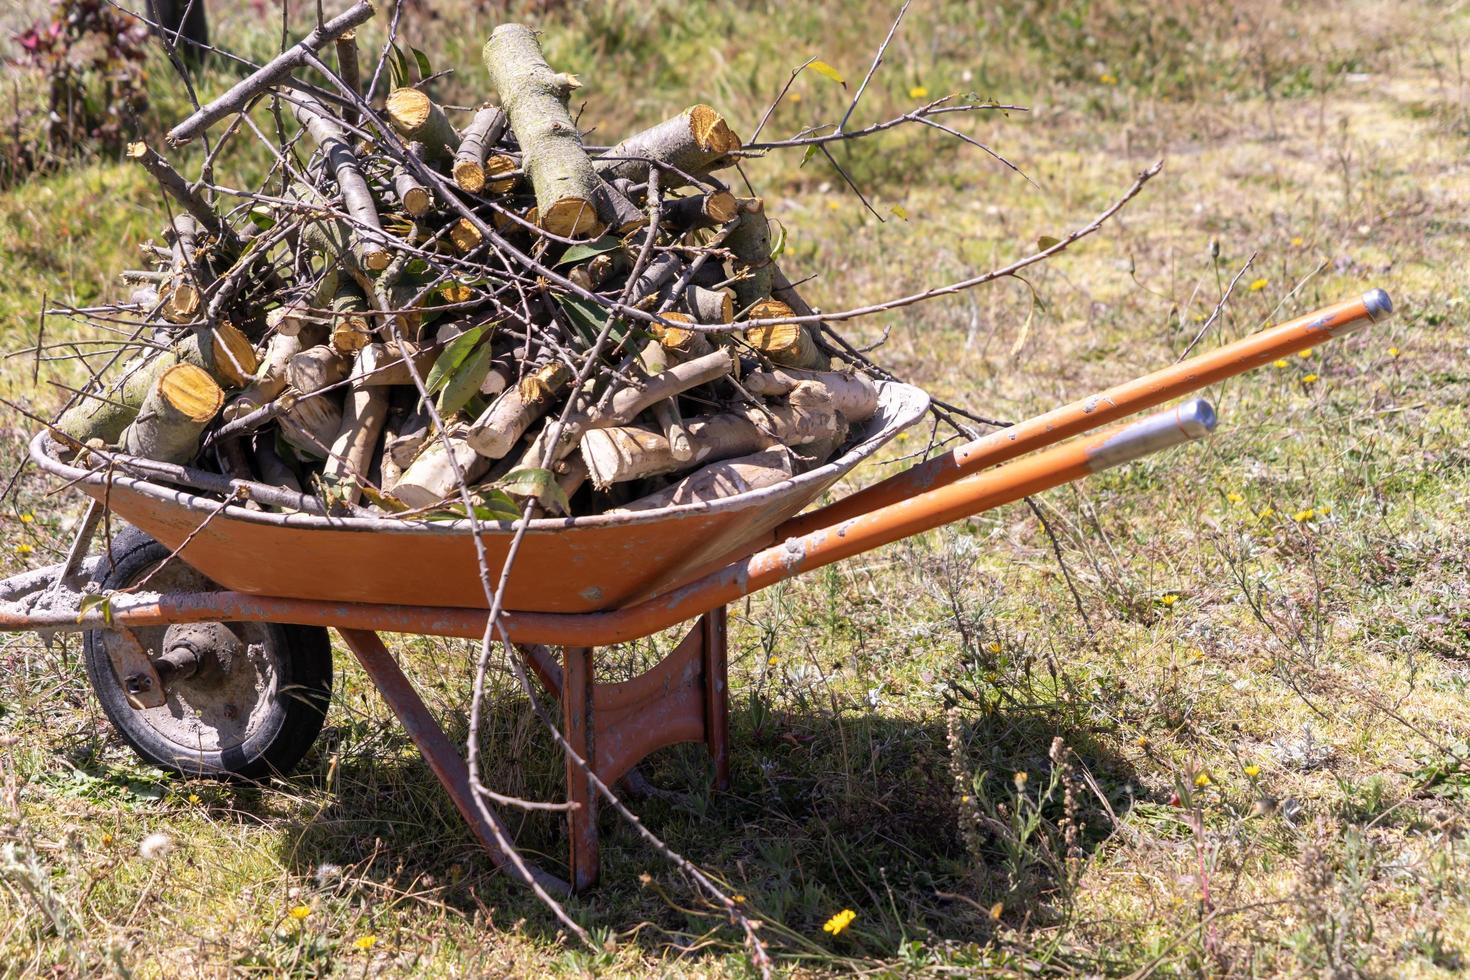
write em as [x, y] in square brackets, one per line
[899, 211]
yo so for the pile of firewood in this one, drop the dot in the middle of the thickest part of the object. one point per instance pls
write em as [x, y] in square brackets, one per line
[420, 299]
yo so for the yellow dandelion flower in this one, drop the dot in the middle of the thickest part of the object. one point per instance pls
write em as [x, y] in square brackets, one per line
[993, 647]
[106, 840]
[773, 662]
[1392, 352]
[23, 549]
[794, 97]
[1304, 354]
[1309, 379]
[738, 899]
[1298, 241]
[1252, 770]
[1141, 741]
[965, 798]
[1259, 285]
[28, 518]
[1202, 780]
[1325, 509]
[997, 910]
[1266, 512]
[1305, 514]
[1280, 363]
[918, 92]
[1168, 599]
[365, 942]
[1020, 779]
[840, 921]
[299, 912]
[193, 797]
[1108, 78]
[1234, 497]
[834, 205]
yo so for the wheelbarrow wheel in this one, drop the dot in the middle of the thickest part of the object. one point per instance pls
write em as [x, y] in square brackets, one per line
[242, 700]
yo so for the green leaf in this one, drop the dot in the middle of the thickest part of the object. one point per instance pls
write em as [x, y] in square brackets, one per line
[452, 357]
[779, 245]
[422, 60]
[494, 506]
[586, 250]
[588, 319]
[810, 152]
[538, 483]
[827, 71]
[416, 267]
[262, 218]
[95, 600]
[899, 211]
[398, 72]
[1046, 241]
[464, 383]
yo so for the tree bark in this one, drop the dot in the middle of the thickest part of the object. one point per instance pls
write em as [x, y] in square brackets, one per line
[535, 99]
[719, 480]
[496, 432]
[369, 244]
[416, 117]
[182, 401]
[430, 478]
[852, 394]
[695, 141]
[750, 240]
[414, 197]
[174, 184]
[351, 457]
[480, 136]
[270, 378]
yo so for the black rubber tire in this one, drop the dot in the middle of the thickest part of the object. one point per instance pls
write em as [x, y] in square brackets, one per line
[302, 657]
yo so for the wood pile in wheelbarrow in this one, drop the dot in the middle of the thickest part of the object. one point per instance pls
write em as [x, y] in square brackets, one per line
[422, 309]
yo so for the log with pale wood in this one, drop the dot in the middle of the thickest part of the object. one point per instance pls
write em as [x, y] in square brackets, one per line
[439, 298]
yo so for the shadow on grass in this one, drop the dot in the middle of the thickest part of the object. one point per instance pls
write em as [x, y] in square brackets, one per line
[861, 812]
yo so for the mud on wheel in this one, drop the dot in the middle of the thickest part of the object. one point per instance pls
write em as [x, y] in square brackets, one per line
[240, 700]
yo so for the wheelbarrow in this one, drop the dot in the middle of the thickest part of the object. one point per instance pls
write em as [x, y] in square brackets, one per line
[219, 664]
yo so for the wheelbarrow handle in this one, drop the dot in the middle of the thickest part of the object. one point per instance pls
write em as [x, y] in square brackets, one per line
[1103, 408]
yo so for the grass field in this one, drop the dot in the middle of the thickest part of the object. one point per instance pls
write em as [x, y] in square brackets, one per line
[1240, 749]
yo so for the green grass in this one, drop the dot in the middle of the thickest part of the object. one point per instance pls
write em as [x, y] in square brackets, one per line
[882, 707]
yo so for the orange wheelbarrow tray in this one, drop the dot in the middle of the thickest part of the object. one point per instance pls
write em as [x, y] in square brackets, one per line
[576, 583]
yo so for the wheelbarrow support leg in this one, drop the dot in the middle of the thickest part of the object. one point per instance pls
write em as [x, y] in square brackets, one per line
[715, 659]
[438, 751]
[578, 727]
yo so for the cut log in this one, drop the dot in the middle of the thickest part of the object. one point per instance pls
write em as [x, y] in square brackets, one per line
[431, 477]
[750, 241]
[787, 344]
[501, 426]
[708, 305]
[414, 196]
[277, 69]
[352, 453]
[483, 132]
[415, 116]
[678, 341]
[660, 270]
[270, 378]
[852, 394]
[501, 173]
[465, 236]
[719, 480]
[695, 141]
[620, 454]
[351, 330]
[224, 353]
[316, 368]
[627, 404]
[617, 212]
[349, 71]
[182, 401]
[535, 98]
[700, 211]
[369, 244]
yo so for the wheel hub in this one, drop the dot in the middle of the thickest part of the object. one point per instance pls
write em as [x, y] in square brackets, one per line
[201, 653]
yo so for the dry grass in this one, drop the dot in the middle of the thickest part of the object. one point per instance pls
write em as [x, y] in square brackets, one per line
[1263, 774]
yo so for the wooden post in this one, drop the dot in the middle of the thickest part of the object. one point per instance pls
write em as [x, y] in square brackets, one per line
[577, 726]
